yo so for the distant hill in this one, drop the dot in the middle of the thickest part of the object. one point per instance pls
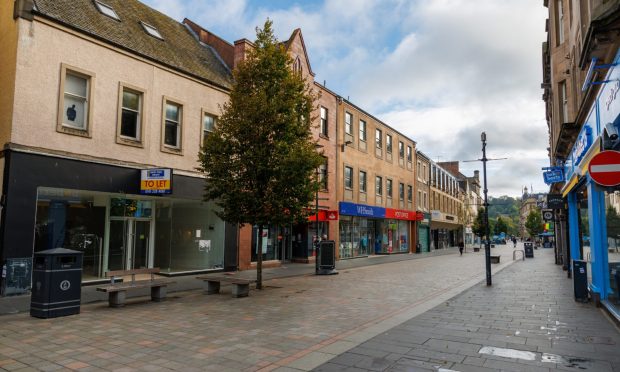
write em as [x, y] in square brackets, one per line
[507, 208]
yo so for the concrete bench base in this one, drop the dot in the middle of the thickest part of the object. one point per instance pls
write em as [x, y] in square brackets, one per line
[495, 259]
[240, 287]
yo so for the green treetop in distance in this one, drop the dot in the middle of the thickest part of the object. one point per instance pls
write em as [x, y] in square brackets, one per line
[534, 223]
[260, 161]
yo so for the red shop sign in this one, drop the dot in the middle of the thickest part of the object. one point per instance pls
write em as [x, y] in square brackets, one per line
[401, 214]
[324, 216]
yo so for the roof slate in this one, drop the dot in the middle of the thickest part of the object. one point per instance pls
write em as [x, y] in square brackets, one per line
[179, 49]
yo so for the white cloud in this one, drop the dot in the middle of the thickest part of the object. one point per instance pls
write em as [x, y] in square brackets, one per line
[440, 71]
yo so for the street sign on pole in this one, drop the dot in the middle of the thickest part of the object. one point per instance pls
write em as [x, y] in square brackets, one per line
[604, 168]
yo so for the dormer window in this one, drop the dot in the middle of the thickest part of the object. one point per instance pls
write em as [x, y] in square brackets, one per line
[151, 30]
[106, 10]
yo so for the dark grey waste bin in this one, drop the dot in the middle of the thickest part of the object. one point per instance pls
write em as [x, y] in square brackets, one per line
[580, 280]
[56, 283]
[327, 258]
[528, 247]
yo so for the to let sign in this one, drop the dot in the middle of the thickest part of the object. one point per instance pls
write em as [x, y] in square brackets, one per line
[604, 168]
[156, 181]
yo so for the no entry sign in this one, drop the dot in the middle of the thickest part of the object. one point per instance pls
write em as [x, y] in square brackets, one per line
[604, 168]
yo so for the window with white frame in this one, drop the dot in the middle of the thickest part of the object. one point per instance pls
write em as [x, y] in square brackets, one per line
[323, 121]
[131, 114]
[172, 124]
[362, 181]
[348, 127]
[348, 178]
[151, 30]
[362, 130]
[378, 185]
[208, 124]
[379, 138]
[401, 149]
[107, 10]
[76, 100]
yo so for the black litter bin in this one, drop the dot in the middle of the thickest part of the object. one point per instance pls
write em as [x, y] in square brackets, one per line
[528, 247]
[327, 258]
[580, 280]
[56, 283]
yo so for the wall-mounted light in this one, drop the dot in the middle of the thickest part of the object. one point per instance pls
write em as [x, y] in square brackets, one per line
[346, 143]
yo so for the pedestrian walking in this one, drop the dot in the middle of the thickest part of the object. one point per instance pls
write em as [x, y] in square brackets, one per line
[514, 242]
[461, 247]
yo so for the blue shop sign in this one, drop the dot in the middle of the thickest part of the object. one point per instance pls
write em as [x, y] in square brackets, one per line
[553, 175]
[352, 209]
[582, 145]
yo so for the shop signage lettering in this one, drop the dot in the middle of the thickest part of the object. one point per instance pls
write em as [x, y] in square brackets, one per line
[352, 209]
[613, 92]
[156, 181]
[582, 144]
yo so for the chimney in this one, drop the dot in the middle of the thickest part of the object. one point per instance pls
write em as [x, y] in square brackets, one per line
[242, 48]
[477, 175]
[23, 9]
[225, 50]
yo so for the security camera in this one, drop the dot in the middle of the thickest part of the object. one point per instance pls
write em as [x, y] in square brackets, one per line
[612, 131]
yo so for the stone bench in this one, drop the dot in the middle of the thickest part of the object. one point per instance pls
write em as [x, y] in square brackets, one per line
[240, 286]
[117, 290]
[495, 259]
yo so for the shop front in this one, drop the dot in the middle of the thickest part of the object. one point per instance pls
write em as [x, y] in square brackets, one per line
[424, 234]
[593, 222]
[444, 230]
[110, 214]
[367, 230]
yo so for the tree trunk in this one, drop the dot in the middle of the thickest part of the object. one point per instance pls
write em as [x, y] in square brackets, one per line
[259, 259]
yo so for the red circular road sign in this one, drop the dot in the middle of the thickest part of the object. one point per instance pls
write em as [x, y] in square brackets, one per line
[604, 168]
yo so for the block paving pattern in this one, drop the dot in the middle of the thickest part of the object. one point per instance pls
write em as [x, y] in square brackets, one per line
[278, 328]
[528, 316]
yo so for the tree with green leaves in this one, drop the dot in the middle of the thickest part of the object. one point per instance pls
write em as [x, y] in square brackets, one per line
[500, 226]
[534, 223]
[478, 227]
[260, 161]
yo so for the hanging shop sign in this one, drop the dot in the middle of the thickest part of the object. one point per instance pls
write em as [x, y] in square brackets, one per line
[553, 175]
[547, 215]
[555, 201]
[362, 210]
[604, 168]
[156, 181]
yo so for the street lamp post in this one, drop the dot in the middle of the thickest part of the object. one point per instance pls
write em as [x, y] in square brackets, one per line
[487, 247]
[316, 228]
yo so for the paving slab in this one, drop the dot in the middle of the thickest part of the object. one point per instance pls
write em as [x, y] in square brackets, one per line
[526, 321]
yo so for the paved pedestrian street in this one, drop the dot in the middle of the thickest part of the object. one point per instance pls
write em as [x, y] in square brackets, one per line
[528, 321]
[394, 316]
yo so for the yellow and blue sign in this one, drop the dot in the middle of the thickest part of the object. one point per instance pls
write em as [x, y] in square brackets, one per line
[156, 181]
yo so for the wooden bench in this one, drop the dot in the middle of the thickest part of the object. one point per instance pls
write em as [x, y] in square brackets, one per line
[117, 290]
[495, 259]
[240, 286]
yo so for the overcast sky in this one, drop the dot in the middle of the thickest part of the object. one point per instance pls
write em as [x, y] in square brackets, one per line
[440, 71]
